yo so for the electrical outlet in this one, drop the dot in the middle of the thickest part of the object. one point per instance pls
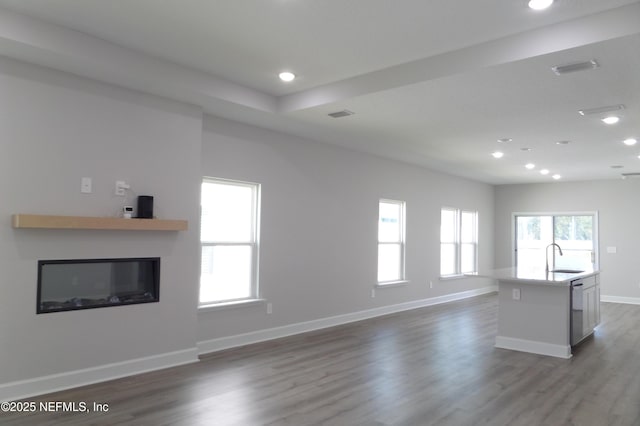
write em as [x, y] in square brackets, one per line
[373, 292]
[430, 284]
[516, 294]
[269, 308]
[85, 185]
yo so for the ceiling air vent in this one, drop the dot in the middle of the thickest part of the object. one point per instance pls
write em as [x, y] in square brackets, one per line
[631, 175]
[340, 114]
[578, 66]
[601, 110]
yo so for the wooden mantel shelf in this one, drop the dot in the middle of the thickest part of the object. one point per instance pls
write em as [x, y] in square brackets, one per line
[32, 221]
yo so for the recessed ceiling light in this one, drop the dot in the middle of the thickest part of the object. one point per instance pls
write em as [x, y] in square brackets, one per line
[505, 140]
[540, 4]
[617, 166]
[544, 172]
[630, 141]
[287, 76]
[612, 119]
[530, 166]
[497, 154]
[556, 177]
[526, 149]
[563, 142]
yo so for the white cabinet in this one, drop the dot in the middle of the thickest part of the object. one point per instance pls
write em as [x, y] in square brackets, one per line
[595, 317]
[597, 303]
[591, 304]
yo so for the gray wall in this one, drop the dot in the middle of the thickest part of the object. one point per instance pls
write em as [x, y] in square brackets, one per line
[319, 219]
[618, 205]
[55, 129]
[319, 226]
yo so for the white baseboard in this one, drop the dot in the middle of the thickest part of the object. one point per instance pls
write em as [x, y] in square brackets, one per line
[222, 343]
[531, 346]
[620, 299]
[56, 382]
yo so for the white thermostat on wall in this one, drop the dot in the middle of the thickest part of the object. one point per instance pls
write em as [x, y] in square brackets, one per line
[127, 212]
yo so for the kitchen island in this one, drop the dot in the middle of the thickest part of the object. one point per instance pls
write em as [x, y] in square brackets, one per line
[545, 312]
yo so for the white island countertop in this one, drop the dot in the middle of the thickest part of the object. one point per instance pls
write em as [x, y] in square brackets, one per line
[535, 275]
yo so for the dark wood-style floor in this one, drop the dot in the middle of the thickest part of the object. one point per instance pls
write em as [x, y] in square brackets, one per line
[429, 366]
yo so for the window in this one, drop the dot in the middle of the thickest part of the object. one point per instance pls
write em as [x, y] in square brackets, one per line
[574, 233]
[229, 239]
[458, 242]
[390, 241]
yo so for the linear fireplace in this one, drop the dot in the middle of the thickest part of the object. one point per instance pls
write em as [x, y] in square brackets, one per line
[71, 284]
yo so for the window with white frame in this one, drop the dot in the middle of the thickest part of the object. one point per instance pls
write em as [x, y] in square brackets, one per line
[458, 242]
[575, 233]
[229, 240]
[391, 241]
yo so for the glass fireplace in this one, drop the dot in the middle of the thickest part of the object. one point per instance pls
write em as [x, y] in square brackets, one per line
[66, 285]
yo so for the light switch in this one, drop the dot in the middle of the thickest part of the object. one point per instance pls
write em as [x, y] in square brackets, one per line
[612, 250]
[121, 188]
[85, 185]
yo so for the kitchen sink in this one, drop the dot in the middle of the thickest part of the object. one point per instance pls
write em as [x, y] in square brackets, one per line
[567, 271]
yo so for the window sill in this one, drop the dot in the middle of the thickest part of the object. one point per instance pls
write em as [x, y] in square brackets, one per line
[392, 284]
[229, 305]
[453, 277]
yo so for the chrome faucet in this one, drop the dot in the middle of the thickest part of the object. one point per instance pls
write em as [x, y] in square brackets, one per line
[546, 254]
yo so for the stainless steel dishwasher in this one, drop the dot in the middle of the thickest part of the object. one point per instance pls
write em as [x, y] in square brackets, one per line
[581, 326]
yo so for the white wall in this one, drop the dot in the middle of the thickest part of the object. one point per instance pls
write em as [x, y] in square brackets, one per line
[319, 226]
[54, 129]
[618, 205]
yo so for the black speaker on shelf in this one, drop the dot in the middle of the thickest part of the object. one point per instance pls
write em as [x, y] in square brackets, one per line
[145, 207]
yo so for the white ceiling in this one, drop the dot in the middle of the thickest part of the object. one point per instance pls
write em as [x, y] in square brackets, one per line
[434, 83]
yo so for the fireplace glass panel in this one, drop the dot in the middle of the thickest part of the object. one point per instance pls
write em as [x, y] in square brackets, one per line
[65, 285]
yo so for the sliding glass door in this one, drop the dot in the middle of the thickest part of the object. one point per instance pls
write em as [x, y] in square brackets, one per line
[576, 234]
